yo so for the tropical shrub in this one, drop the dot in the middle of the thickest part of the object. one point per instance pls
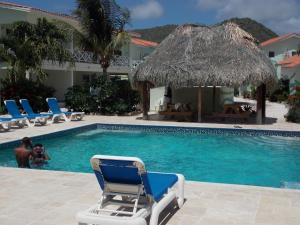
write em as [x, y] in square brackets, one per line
[281, 93]
[123, 98]
[34, 91]
[104, 96]
[2, 108]
[293, 114]
[78, 98]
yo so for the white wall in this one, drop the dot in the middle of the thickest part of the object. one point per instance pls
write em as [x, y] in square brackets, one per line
[190, 96]
[8, 16]
[79, 77]
[139, 52]
[2, 73]
[61, 81]
[156, 97]
[186, 96]
[281, 47]
[85, 67]
[294, 76]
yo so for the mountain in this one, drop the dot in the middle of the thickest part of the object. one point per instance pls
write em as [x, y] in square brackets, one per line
[156, 34]
[258, 30]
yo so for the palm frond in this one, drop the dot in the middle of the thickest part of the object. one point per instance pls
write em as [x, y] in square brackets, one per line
[103, 23]
[33, 43]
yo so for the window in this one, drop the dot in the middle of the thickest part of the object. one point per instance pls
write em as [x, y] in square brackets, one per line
[271, 54]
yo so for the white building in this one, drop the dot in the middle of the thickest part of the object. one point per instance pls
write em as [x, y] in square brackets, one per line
[85, 68]
[283, 53]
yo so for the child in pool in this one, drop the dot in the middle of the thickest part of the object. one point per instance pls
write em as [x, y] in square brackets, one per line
[39, 155]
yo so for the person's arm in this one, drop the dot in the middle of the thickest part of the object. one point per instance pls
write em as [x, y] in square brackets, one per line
[47, 157]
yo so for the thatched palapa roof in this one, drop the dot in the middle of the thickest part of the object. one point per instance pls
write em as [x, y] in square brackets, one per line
[223, 55]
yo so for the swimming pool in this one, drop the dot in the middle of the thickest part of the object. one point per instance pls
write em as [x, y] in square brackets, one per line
[209, 155]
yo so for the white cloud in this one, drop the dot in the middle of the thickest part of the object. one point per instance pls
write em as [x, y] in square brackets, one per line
[280, 15]
[150, 9]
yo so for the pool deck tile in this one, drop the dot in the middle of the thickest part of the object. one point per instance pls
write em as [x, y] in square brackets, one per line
[35, 197]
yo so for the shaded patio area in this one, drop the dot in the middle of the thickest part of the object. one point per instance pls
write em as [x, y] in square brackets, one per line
[200, 56]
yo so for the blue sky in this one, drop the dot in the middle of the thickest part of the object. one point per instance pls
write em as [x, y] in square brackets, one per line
[280, 15]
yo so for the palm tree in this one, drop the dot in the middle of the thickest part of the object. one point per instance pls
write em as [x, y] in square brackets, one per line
[27, 45]
[103, 23]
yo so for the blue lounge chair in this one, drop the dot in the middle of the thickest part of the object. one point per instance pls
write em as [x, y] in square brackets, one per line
[68, 116]
[13, 110]
[5, 123]
[28, 109]
[135, 193]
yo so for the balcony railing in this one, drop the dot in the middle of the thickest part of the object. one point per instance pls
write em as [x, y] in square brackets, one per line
[83, 56]
[88, 57]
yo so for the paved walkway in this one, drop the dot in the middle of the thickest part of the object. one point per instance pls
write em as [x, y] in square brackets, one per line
[34, 197]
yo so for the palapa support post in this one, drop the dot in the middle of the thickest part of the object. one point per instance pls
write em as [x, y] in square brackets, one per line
[261, 104]
[200, 104]
[214, 99]
[145, 100]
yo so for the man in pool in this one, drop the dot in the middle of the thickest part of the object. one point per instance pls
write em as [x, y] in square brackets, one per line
[39, 155]
[24, 152]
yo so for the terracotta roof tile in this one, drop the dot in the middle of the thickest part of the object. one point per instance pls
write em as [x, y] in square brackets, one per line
[290, 62]
[276, 39]
[141, 42]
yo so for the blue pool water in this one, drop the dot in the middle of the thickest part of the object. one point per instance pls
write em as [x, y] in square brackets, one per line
[223, 158]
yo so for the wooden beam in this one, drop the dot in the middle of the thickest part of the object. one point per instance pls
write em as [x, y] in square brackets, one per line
[200, 104]
[214, 99]
[261, 104]
[145, 100]
[264, 91]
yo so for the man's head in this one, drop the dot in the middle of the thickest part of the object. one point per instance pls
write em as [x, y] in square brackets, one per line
[26, 141]
[38, 145]
[38, 148]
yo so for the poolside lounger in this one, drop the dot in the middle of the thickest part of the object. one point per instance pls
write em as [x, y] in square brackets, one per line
[28, 109]
[130, 194]
[5, 123]
[68, 116]
[13, 110]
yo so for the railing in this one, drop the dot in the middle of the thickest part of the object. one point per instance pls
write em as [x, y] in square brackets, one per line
[135, 63]
[85, 57]
[120, 61]
[89, 57]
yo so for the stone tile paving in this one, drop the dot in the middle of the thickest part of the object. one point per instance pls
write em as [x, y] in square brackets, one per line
[35, 197]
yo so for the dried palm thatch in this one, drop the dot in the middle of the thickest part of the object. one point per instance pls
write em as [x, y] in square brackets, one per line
[223, 55]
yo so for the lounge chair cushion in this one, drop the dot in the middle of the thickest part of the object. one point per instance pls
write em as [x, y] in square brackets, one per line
[157, 184]
[13, 109]
[115, 171]
[53, 105]
[125, 172]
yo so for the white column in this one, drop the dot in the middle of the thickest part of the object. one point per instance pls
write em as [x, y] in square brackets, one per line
[27, 75]
[71, 77]
[72, 42]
